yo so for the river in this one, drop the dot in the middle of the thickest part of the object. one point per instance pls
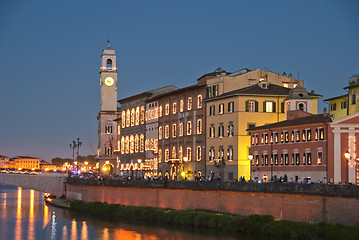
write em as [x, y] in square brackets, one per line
[24, 215]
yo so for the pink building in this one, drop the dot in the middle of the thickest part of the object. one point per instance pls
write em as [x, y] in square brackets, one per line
[296, 148]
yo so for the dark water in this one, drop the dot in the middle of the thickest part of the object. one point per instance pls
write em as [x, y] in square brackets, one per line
[24, 215]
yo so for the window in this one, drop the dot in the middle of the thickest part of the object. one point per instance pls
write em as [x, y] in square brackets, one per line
[159, 155]
[123, 119]
[128, 118]
[265, 159]
[137, 140]
[167, 131]
[189, 154]
[296, 136]
[167, 154]
[319, 134]
[160, 134]
[275, 136]
[181, 105]
[142, 115]
[199, 126]
[333, 107]
[174, 153]
[174, 130]
[282, 107]
[353, 99]
[127, 144]
[256, 157]
[211, 154]
[155, 145]
[174, 108]
[180, 153]
[343, 104]
[275, 159]
[286, 159]
[142, 143]
[250, 126]
[211, 131]
[189, 103]
[221, 108]
[108, 127]
[160, 111]
[230, 129]
[108, 151]
[199, 101]
[285, 137]
[221, 130]
[181, 129]
[265, 138]
[133, 117]
[231, 107]
[137, 116]
[230, 153]
[189, 128]
[319, 158]
[269, 107]
[122, 145]
[297, 159]
[132, 144]
[251, 106]
[221, 153]
[198, 153]
[167, 109]
[212, 110]
[212, 91]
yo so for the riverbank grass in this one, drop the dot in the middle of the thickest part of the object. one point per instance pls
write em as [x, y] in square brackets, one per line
[254, 224]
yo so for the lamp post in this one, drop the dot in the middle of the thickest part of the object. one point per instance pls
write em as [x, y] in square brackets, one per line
[139, 167]
[250, 157]
[75, 145]
[348, 157]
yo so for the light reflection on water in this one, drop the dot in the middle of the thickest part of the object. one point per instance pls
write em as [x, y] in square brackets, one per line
[24, 215]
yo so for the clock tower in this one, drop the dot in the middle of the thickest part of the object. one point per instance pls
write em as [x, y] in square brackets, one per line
[107, 126]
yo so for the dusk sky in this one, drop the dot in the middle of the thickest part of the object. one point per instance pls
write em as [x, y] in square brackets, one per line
[50, 54]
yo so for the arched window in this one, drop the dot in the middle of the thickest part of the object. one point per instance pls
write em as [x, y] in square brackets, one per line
[142, 118]
[132, 144]
[136, 143]
[132, 117]
[109, 64]
[108, 127]
[199, 126]
[123, 119]
[301, 107]
[174, 154]
[128, 118]
[127, 144]
[137, 121]
[199, 101]
[122, 145]
[142, 143]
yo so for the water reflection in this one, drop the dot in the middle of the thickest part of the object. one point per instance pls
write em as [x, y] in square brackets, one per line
[24, 215]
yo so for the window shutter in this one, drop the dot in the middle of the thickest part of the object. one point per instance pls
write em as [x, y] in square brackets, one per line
[274, 107]
[282, 107]
[247, 106]
[256, 106]
[264, 106]
[208, 91]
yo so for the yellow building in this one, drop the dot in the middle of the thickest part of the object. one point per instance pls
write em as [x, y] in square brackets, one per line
[338, 106]
[25, 163]
[353, 94]
[346, 104]
[231, 111]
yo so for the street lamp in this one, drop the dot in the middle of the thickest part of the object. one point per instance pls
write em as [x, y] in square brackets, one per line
[139, 166]
[250, 157]
[347, 156]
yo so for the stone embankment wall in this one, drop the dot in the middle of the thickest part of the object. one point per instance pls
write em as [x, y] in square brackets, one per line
[303, 205]
[44, 182]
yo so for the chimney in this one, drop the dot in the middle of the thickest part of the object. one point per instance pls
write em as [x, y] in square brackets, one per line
[325, 112]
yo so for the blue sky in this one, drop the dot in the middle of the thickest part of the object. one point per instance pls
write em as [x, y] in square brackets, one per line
[50, 56]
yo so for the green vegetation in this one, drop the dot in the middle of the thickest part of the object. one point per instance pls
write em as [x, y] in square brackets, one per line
[91, 159]
[254, 224]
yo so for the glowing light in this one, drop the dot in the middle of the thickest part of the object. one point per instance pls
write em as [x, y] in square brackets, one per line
[183, 174]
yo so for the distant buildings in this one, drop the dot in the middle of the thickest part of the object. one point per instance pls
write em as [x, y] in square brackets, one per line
[24, 163]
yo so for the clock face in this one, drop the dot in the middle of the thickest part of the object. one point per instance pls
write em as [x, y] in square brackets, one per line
[109, 81]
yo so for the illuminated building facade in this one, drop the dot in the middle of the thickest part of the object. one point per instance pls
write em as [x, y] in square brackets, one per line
[4, 161]
[24, 163]
[181, 132]
[238, 101]
[133, 125]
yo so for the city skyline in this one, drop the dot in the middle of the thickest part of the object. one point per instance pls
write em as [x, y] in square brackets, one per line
[50, 57]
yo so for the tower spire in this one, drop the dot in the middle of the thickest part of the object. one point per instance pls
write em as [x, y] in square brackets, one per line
[108, 43]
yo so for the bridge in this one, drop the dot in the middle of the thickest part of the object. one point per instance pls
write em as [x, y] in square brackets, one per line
[43, 182]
